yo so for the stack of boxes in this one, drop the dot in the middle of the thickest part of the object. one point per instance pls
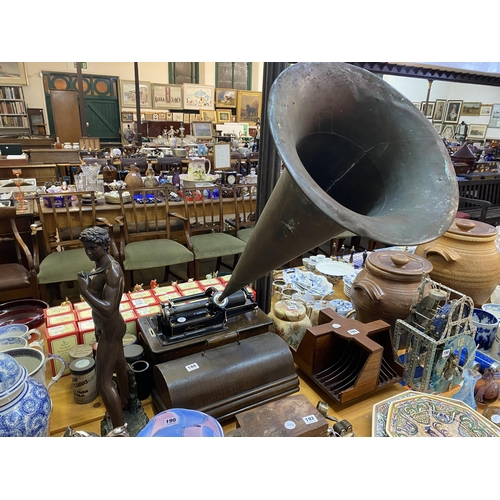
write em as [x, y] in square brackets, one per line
[71, 324]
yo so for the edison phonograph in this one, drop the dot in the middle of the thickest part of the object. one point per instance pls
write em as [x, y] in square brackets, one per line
[437, 338]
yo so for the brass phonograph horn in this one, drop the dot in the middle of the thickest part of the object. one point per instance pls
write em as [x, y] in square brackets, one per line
[358, 156]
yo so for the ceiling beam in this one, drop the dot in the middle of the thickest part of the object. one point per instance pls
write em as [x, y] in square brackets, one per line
[386, 68]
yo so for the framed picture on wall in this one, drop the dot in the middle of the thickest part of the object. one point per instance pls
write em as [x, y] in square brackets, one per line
[453, 110]
[225, 98]
[13, 73]
[417, 104]
[127, 117]
[430, 108]
[438, 127]
[166, 96]
[495, 116]
[471, 109]
[207, 115]
[224, 115]
[477, 131]
[439, 108]
[127, 94]
[202, 130]
[249, 106]
[485, 109]
[448, 131]
[198, 96]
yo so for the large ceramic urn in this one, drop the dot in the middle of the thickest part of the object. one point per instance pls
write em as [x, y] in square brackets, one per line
[465, 259]
[384, 289]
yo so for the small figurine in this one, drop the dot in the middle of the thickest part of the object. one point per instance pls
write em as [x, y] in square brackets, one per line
[334, 251]
[153, 284]
[351, 258]
[138, 288]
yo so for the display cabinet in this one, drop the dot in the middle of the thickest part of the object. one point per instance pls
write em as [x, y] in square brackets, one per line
[37, 121]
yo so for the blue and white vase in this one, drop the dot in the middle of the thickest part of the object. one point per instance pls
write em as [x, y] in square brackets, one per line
[25, 404]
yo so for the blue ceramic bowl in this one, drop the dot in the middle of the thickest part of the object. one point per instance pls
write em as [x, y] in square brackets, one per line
[492, 308]
[180, 422]
[14, 330]
[486, 328]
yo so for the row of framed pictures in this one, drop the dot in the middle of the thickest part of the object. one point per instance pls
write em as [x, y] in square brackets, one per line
[442, 111]
[215, 116]
[476, 131]
[190, 96]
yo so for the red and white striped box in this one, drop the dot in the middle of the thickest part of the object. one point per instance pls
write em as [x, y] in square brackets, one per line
[191, 291]
[57, 310]
[86, 328]
[152, 300]
[148, 311]
[139, 295]
[81, 306]
[60, 319]
[162, 290]
[224, 279]
[60, 340]
[84, 314]
[125, 306]
[209, 282]
[168, 296]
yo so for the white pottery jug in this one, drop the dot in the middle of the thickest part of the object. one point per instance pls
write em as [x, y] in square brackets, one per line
[198, 169]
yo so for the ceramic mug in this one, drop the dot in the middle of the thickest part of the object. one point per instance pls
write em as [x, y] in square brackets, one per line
[7, 343]
[22, 330]
[198, 169]
[486, 328]
[34, 360]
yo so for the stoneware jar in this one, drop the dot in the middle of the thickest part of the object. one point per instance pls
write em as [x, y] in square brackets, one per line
[465, 259]
[384, 289]
[133, 179]
[25, 404]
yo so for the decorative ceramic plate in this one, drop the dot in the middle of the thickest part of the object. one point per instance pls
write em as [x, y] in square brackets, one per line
[306, 281]
[334, 268]
[380, 409]
[426, 415]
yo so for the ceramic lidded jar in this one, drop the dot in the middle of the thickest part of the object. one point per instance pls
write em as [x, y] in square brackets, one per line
[384, 289]
[290, 321]
[465, 259]
[25, 403]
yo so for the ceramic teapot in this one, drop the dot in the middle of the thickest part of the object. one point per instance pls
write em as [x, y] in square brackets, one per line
[25, 403]
[465, 259]
[198, 168]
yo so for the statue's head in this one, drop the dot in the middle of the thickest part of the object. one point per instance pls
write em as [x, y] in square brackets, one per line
[97, 235]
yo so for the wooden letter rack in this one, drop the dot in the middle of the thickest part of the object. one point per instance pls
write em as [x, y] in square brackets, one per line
[346, 358]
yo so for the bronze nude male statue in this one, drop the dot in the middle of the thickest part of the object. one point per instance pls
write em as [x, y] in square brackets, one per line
[102, 288]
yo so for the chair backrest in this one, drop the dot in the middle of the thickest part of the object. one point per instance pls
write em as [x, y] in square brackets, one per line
[11, 240]
[236, 162]
[245, 203]
[168, 163]
[64, 216]
[204, 210]
[148, 220]
[140, 163]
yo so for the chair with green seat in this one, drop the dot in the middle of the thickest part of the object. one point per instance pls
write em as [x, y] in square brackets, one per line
[149, 232]
[245, 200]
[64, 256]
[206, 236]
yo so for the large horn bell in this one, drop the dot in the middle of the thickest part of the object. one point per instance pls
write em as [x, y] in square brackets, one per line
[358, 156]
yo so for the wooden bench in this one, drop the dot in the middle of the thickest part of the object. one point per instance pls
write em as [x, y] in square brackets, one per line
[480, 199]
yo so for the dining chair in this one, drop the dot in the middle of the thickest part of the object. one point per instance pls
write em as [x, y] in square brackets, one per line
[140, 163]
[18, 271]
[207, 238]
[245, 201]
[149, 230]
[62, 219]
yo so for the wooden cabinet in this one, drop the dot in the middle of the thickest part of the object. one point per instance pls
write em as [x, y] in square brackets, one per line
[37, 121]
[13, 111]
